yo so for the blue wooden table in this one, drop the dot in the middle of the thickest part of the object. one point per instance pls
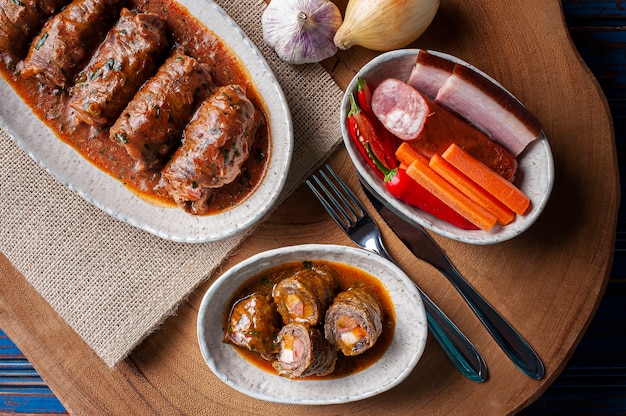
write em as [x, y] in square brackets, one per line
[594, 381]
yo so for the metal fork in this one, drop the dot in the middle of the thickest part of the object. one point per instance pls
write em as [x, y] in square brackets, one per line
[352, 217]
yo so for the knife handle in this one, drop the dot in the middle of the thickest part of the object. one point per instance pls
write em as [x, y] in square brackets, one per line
[511, 342]
[455, 344]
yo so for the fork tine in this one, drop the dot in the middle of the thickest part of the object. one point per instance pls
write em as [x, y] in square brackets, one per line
[345, 213]
[327, 201]
[354, 202]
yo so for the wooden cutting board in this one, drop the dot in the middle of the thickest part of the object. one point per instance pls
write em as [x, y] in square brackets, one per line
[547, 282]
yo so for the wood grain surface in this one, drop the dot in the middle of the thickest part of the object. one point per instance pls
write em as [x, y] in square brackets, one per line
[547, 282]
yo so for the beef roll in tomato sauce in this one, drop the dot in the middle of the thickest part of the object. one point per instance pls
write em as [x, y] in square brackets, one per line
[353, 322]
[66, 41]
[126, 59]
[151, 124]
[303, 352]
[20, 20]
[305, 296]
[216, 143]
[254, 324]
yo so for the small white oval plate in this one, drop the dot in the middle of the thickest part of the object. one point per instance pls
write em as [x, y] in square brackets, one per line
[394, 366]
[108, 194]
[535, 175]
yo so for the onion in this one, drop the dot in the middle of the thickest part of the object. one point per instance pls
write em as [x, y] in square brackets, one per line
[383, 25]
[301, 31]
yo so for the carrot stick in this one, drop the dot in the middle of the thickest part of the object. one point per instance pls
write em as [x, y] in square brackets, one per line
[489, 180]
[451, 196]
[471, 189]
[406, 154]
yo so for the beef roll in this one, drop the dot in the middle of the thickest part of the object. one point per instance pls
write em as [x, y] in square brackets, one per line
[20, 20]
[216, 143]
[304, 352]
[126, 59]
[353, 322]
[151, 124]
[305, 296]
[65, 42]
[254, 324]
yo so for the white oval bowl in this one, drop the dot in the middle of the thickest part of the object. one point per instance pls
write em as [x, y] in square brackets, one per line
[110, 195]
[393, 367]
[535, 175]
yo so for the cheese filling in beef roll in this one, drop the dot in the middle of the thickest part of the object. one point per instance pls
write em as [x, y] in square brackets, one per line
[305, 296]
[21, 20]
[353, 322]
[304, 352]
[151, 124]
[126, 59]
[254, 324]
[66, 40]
[216, 143]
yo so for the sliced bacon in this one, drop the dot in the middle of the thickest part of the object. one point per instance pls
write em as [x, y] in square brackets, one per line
[476, 99]
[431, 129]
[430, 73]
[489, 108]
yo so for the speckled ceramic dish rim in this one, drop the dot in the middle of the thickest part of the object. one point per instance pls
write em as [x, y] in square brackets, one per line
[535, 174]
[395, 365]
[111, 196]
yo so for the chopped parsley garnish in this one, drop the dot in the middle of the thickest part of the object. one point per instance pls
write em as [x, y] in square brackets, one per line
[121, 138]
[41, 40]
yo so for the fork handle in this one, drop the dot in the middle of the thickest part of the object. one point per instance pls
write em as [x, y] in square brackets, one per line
[455, 344]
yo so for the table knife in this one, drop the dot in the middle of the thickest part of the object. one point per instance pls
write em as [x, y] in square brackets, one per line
[425, 248]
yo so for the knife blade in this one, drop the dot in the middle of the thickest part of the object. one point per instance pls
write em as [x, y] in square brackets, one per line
[419, 242]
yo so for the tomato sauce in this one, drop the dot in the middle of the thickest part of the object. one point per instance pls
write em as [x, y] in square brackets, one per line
[51, 106]
[348, 277]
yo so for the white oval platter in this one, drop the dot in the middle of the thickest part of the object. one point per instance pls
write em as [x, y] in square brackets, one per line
[392, 368]
[535, 175]
[108, 194]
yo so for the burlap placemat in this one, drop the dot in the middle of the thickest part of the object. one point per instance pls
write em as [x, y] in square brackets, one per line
[112, 283]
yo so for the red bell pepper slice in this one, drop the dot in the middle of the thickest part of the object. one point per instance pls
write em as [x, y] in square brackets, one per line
[363, 131]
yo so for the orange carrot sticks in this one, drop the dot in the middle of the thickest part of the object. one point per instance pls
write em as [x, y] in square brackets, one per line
[489, 180]
[454, 198]
[471, 189]
[406, 154]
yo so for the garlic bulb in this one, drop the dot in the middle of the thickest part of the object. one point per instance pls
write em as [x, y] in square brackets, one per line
[383, 25]
[301, 31]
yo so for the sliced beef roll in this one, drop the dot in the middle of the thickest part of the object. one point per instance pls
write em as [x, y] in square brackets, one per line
[66, 41]
[353, 322]
[304, 352]
[151, 124]
[20, 20]
[254, 324]
[216, 143]
[126, 59]
[305, 296]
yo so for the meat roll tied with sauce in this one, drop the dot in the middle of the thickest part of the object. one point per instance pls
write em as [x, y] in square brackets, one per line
[216, 143]
[303, 352]
[305, 296]
[151, 124]
[126, 59]
[254, 324]
[20, 20]
[353, 322]
[66, 41]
